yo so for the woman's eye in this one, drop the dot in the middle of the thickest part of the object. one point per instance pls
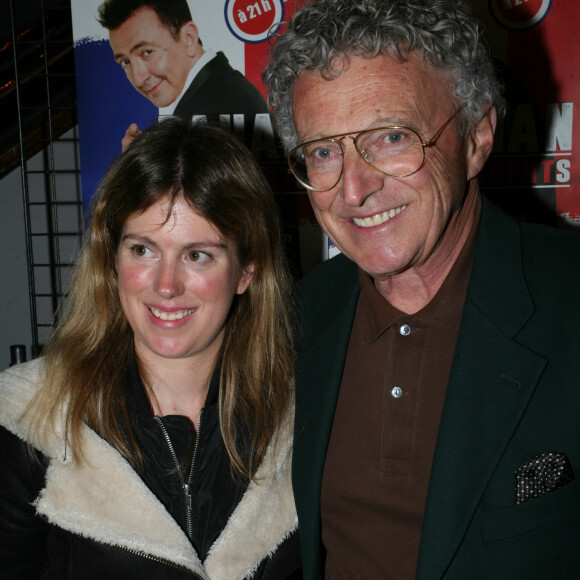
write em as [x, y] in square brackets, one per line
[141, 251]
[198, 256]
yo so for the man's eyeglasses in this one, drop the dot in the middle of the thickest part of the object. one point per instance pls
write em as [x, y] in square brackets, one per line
[395, 151]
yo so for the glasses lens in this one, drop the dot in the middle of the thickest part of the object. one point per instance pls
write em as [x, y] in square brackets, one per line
[392, 150]
[395, 151]
[317, 164]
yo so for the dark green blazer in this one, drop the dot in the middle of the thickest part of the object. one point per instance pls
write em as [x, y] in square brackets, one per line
[513, 393]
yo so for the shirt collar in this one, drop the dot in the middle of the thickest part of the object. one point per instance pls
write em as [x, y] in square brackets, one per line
[445, 308]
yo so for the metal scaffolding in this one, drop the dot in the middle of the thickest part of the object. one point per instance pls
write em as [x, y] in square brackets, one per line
[44, 90]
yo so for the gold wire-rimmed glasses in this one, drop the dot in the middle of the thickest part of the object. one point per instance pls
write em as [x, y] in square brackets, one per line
[395, 150]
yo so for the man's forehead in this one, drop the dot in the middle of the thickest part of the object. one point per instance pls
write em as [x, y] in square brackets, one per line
[381, 89]
[411, 65]
[142, 28]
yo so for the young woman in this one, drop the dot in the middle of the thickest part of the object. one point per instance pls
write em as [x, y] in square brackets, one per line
[153, 439]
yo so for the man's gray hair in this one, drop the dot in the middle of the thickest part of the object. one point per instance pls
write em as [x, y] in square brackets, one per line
[321, 34]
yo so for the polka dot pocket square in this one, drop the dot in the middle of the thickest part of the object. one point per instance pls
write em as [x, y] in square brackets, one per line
[543, 474]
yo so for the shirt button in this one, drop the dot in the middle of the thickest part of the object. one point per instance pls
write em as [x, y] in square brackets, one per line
[405, 330]
[397, 392]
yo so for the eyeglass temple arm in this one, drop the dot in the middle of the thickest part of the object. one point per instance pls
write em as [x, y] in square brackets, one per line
[433, 139]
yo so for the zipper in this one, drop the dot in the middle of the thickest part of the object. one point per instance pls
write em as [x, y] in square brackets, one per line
[186, 485]
[162, 561]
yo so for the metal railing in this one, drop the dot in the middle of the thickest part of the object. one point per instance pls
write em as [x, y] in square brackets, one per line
[44, 86]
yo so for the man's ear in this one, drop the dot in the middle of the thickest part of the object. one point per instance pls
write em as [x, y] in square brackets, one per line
[189, 35]
[480, 142]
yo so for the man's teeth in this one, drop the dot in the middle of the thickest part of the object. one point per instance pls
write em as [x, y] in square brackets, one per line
[379, 218]
[170, 315]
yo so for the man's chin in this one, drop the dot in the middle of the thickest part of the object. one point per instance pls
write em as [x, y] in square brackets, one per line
[158, 100]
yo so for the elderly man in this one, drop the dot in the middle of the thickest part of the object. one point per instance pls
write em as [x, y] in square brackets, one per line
[438, 399]
[157, 44]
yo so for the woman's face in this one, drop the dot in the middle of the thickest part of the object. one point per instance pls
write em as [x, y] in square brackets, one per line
[177, 278]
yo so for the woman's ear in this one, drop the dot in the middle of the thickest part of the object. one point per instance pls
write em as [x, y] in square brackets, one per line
[245, 278]
[480, 142]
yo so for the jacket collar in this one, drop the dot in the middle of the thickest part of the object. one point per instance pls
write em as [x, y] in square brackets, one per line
[323, 352]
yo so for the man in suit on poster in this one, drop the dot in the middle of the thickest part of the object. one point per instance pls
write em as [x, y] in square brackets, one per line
[437, 428]
[158, 45]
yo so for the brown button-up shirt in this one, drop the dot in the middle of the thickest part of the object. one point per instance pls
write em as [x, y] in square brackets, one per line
[385, 428]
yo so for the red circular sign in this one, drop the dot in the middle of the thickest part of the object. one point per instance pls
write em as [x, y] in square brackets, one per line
[519, 10]
[519, 14]
[254, 17]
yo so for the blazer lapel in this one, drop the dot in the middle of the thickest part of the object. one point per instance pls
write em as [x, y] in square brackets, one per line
[492, 380]
[321, 362]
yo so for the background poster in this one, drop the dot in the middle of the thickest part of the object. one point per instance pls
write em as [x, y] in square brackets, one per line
[108, 104]
[534, 172]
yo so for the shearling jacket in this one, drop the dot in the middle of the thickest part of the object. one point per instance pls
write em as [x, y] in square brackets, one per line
[59, 519]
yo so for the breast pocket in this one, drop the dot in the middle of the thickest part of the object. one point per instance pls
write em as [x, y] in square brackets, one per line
[539, 538]
[545, 511]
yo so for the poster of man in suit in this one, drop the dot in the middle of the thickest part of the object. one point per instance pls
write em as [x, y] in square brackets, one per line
[137, 62]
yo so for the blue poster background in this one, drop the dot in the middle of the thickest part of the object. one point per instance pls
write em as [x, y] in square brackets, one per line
[107, 105]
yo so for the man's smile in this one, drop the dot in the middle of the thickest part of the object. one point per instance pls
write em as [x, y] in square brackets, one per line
[379, 218]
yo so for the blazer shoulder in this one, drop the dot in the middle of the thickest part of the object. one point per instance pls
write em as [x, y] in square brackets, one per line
[535, 259]
[329, 274]
[330, 289]
[563, 244]
[551, 259]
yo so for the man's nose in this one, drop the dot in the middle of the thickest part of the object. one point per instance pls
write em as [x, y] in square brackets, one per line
[359, 178]
[139, 72]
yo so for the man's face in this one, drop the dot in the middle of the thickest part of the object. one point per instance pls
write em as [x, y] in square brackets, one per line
[387, 224]
[155, 63]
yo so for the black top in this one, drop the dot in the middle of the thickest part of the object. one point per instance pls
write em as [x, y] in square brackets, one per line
[214, 491]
